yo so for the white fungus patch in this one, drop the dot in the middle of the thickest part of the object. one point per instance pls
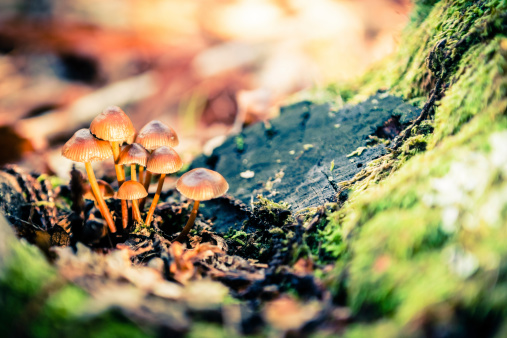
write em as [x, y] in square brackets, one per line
[247, 174]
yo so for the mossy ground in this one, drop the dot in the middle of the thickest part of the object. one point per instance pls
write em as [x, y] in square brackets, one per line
[36, 302]
[420, 241]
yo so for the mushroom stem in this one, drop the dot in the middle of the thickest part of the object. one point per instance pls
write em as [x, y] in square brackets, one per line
[155, 199]
[137, 213]
[104, 210]
[147, 181]
[141, 171]
[190, 223]
[120, 175]
[133, 172]
[135, 207]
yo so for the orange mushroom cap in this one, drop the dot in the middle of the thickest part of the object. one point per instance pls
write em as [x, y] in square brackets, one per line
[131, 190]
[131, 138]
[164, 160]
[134, 154]
[202, 184]
[83, 147]
[105, 189]
[155, 134]
[112, 125]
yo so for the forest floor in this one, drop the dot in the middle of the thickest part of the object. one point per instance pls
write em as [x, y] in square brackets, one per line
[382, 217]
[248, 247]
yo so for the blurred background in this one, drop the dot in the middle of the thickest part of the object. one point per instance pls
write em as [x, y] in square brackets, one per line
[205, 67]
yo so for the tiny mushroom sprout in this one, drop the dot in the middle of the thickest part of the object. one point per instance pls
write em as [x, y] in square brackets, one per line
[154, 135]
[132, 191]
[114, 125]
[199, 185]
[131, 155]
[105, 190]
[83, 147]
[163, 160]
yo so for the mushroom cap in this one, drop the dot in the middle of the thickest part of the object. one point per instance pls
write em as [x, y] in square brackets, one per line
[105, 189]
[83, 147]
[131, 138]
[202, 184]
[134, 154]
[164, 160]
[131, 190]
[155, 134]
[112, 125]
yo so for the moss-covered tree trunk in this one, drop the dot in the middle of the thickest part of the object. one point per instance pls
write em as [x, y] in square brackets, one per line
[419, 248]
[422, 251]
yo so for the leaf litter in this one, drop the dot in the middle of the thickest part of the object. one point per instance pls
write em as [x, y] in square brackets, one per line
[164, 284]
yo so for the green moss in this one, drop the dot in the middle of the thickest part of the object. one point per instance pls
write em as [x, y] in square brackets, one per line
[421, 235]
[238, 236]
[36, 302]
[407, 256]
[265, 227]
[209, 330]
[240, 143]
[413, 146]
[479, 89]
[378, 329]
[438, 34]
[268, 214]
[107, 325]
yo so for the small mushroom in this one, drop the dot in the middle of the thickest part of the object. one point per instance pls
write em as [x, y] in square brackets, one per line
[131, 139]
[132, 191]
[83, 147]
[133, 154]
[164, 160]
[114, 125]
[154, 135]
[200, 185]
[105, 189]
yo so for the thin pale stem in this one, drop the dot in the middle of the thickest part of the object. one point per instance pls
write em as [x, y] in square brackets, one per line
[136, 212]
[147, 181]
[183, 234]
[141, 172]
[133, 172]
[120, 175]
[104, 210]
[155, 200]
[135, 208]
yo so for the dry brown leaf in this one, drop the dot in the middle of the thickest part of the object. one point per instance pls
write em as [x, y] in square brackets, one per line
[287, 314]
[304, 266]
[182, 267]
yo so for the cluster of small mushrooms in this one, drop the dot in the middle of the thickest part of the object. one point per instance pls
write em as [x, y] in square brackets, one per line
[152, 148]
